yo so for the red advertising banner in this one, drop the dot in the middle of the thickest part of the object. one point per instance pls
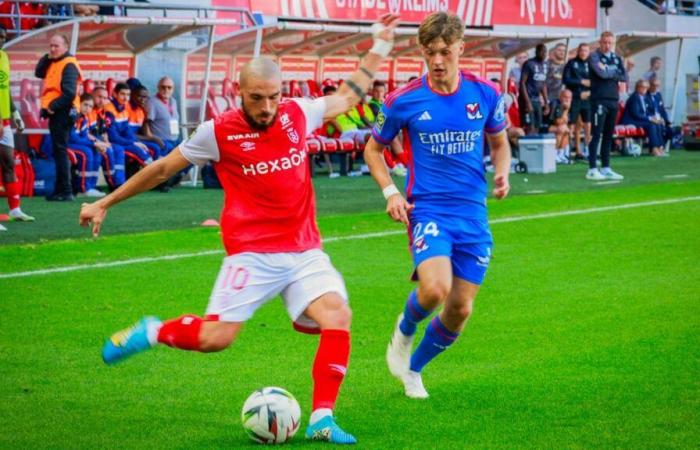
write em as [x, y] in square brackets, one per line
[405, 68]
[475, 13]
[339, 68]
[196, 65]
[298, 67]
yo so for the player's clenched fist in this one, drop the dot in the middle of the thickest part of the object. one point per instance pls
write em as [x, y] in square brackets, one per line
[398, 208]
[501, 186]
[92, 214]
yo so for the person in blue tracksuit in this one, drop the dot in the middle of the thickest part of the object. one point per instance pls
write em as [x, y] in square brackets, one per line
[87, 151]
[117, 112]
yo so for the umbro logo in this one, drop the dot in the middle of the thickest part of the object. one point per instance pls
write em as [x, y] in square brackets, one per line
[338, 368]
[248, 146]
[425, 116]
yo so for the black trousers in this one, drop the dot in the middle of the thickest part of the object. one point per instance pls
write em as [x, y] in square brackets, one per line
[60, 124]
[604, 115]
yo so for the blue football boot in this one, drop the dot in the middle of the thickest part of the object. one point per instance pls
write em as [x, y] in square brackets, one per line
[130, 341]
[327, 430]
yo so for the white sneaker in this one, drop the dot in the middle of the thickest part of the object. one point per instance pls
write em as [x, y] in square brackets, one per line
[608, 174]
[333, 175]
[595, 175]
[19, 216]
[355, 173]
[2, 228]
[94, 193]
[413, 385]
[398, 352]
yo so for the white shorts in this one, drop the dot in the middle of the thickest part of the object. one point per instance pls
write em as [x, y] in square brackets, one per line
[249, 280]
[8, 138]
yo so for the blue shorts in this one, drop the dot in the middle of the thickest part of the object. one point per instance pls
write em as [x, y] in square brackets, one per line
[467, 242]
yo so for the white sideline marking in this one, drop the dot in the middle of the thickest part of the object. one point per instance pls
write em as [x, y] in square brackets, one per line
[536, 191]
[680, 175]
[603, 183]
[353, 237]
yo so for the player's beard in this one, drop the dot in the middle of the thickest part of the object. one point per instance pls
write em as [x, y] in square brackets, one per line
[252, 122]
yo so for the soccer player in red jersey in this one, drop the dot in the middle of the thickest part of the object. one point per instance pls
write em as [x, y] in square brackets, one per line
[268, 225]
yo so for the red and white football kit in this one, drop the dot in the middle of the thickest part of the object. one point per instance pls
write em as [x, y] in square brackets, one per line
[268, 221]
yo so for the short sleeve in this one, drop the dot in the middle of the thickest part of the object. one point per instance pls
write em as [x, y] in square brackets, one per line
[201, 146]
[151, 109]
[388, 124]
[313, 110]
[496, 120]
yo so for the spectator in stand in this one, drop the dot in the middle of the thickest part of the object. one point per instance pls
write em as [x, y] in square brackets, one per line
[113, 157]
[85, 10]
[532, 100]
[517, 69]
[28, 13]
[9, 115]
[638, 113]
[658, 110]
[87, 150]
[654, 67]
[117, 113]
[555, 70]
[607, 72]
[577, 79]
[394, 155]
[139, 127]
[378, 93]
[163, 116]
[60, 104]
[559, 119]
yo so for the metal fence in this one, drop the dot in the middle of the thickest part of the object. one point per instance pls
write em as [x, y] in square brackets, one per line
[679, 7]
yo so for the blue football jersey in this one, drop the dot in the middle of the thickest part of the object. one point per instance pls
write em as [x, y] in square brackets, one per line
[444, 135]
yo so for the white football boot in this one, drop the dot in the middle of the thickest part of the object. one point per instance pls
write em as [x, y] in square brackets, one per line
[398, 358]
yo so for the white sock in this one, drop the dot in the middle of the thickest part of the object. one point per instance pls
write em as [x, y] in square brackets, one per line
[152, 332]
[319, 414]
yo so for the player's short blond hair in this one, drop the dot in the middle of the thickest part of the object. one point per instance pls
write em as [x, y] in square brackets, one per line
[605, 34]
[440, 25]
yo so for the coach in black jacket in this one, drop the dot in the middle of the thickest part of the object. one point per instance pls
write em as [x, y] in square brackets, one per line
[577, 79]
[607, 70]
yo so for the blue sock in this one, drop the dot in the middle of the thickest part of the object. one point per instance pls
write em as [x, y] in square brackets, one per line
[436, 340]
[412, 314]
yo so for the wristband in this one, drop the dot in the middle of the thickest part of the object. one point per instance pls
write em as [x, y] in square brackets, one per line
[389, 191]
[380, 47]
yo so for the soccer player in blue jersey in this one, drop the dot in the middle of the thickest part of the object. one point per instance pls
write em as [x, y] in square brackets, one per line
[444, 117]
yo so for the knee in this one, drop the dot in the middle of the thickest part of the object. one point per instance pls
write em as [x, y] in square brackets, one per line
[434, 292]
[460, 312]
[337, 314]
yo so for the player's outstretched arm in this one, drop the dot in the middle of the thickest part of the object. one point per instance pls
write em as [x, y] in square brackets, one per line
[500, 157]
[355, 87]
[396, 206]
[144, 180]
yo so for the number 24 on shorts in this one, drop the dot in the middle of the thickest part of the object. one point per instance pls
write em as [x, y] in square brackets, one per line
[419, 234]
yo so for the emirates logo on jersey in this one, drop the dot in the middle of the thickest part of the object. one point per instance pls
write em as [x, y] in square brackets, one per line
[293, 136]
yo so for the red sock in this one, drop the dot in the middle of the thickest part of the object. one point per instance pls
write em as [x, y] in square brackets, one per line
[329, 367]
[12, 190]
[402, 158]
[182, 333]
[389, 159]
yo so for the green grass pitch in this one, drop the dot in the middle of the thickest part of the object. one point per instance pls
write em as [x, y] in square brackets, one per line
[586, 333]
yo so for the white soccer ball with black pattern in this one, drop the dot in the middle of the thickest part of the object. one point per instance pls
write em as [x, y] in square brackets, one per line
[271, 415]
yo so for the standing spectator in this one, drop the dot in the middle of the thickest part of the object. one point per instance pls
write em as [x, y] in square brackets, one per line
[577, 79]
[654, 67]
[517, 69]
[8, 115]
[555, 70]
[533, 101]
[559, 125]
[60, 104]
[607, 72]
[638, 113]
[163, 116]
[658, 110]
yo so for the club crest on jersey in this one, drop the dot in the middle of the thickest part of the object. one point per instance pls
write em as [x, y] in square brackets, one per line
[473, 112]
[380, 121]
[293, 136]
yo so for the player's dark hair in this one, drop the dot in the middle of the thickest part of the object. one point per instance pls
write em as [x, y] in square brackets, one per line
[378, 83]
[86, 97]
[120, 87]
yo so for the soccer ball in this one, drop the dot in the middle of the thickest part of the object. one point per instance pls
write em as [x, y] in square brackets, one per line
[271, 415]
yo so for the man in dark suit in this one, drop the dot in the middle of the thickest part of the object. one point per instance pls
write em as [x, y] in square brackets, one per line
[638, 113]
[658, 109]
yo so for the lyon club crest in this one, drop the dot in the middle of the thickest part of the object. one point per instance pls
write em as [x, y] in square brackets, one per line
[473, 112]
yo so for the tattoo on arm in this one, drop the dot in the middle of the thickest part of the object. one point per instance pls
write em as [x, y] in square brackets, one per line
[369, 74]
[357, 90]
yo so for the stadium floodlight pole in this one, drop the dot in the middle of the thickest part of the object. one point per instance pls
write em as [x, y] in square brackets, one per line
[205, 90]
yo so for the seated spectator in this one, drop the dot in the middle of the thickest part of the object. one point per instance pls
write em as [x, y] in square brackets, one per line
[117, 112]
[163, 116]
[559, 125]
[113, 158]
[395, 157]
[87, 150]
[85, 10]
[655, 101]
[637, 113]
[139, 127]
[654, 67]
